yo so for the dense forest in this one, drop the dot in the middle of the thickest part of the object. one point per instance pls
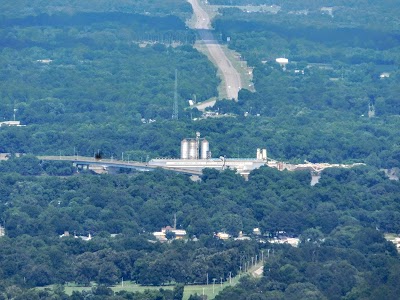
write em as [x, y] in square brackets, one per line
[341, 220]
[87, 76]
[25, 8]
[97, 79]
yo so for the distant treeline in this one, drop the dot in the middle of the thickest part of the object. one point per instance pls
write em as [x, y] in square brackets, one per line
[345, 37]
[91, 18]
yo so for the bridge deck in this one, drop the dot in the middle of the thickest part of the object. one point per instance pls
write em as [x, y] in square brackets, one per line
[114, 163]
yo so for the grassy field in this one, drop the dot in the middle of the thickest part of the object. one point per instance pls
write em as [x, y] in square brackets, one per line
[210, 290]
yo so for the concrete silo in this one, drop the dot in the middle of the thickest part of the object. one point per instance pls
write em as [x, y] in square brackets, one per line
[184, 149]
[205, 149]
[193, 149]
[264, 154]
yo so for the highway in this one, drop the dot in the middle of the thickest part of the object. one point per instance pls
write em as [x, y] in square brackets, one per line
[230, 75]
[114, 163]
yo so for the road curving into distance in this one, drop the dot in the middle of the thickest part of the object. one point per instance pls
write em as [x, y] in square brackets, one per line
[230, 75]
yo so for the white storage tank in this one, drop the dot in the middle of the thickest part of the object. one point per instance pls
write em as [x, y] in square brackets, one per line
[184, 149]
[264, 154]
[193, 149]
[205, 149]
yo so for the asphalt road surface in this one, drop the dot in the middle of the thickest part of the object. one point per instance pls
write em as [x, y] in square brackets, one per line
[230, 74]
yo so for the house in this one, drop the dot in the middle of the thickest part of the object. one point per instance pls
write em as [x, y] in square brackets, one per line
[85, 238]
[65, 234]
[82, 237]
[256, 231]
[44, 61]
[161, 235]
[242, 237]
[222, 235]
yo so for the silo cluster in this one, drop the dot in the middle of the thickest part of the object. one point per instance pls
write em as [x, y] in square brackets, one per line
[195, 149]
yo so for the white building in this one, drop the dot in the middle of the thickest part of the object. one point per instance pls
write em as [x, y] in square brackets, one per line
[161, 235]
[11, 123]
[2, 231]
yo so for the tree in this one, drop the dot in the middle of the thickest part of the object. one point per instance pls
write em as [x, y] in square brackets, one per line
[108, 274]
[178, 292]
[195, 297]
[170, 235]
[305, 291]
[102, 290]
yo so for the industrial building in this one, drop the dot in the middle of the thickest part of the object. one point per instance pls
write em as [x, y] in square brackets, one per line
[196, 156]
[11, 123]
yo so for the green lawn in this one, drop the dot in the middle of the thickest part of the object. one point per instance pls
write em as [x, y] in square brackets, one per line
[189, 289]
[209, 290]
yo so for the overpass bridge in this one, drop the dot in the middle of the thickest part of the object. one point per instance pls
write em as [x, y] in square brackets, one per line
[195, 166]
[85, 162]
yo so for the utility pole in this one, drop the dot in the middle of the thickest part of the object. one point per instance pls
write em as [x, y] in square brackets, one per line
[175, 106]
